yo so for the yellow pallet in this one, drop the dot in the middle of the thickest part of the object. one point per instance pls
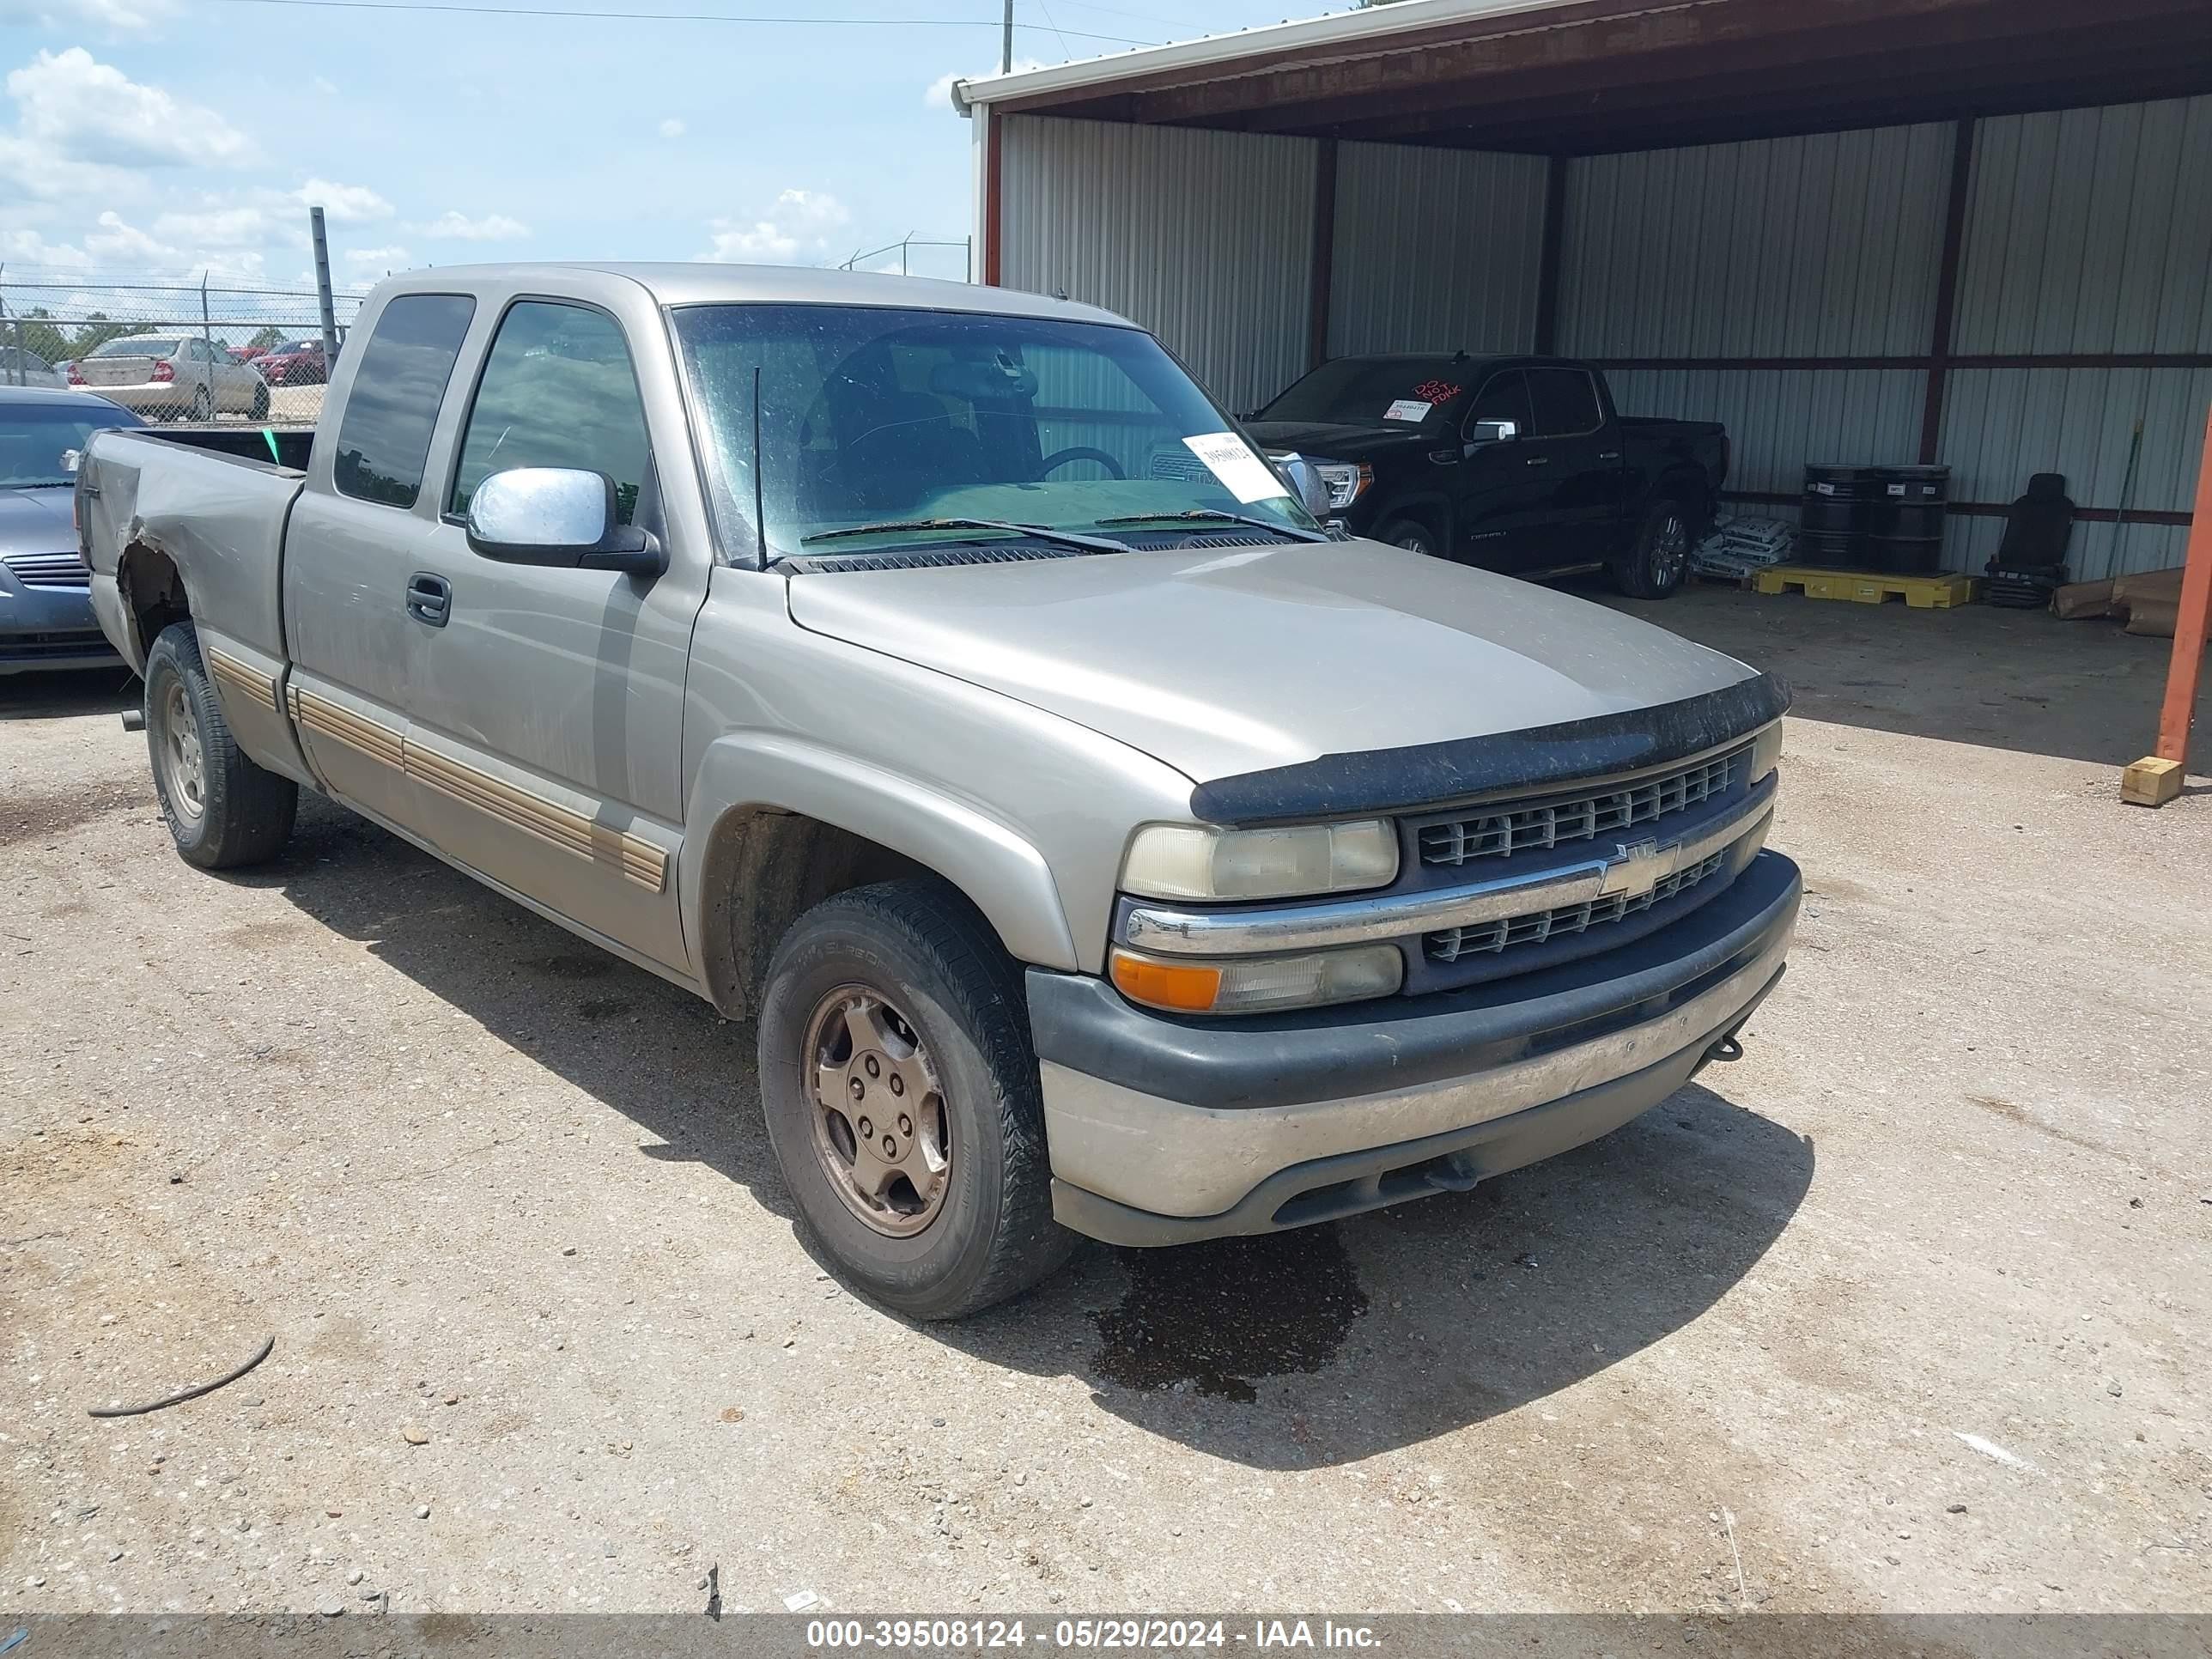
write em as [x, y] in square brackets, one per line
[1869, 586]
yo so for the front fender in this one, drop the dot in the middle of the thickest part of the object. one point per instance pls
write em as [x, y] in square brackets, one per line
[1002, 874]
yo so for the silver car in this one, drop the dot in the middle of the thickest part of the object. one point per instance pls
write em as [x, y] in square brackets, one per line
[22, 368]
[173, 377]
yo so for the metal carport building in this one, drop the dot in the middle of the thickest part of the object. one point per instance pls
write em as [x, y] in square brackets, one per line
[1866, 231]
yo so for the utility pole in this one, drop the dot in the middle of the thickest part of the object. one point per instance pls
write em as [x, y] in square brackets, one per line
[1006, 42]
[323, 290]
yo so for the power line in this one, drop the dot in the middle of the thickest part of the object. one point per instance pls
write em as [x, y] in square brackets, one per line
[668, 16]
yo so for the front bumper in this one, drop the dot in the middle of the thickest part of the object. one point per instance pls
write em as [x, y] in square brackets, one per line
[48, 628]
[1164, 1130]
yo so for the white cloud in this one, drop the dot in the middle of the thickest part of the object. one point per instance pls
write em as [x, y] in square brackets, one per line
[671, 128]
[219, 227]
[375, 261]
[113, 18]
[347, 204]
[74, 110]
[794, 231]
[455, 226]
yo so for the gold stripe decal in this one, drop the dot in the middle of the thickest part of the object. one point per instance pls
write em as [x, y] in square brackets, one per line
[640, 861]
[241, 677]
[379, 742]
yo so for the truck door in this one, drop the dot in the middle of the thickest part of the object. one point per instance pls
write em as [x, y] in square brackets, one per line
[1495, 493]
[547, 716]
[1575, 497]
[355, 537]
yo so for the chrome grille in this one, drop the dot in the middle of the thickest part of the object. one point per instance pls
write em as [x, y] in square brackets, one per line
[48, 569]
[1493, 937]
[1510, 830]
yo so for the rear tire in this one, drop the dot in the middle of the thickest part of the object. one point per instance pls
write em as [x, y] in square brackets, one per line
[203, 405]
[1408, 533]
[970, 1224]
[1658, 561]
[223, 810]
[261, 401]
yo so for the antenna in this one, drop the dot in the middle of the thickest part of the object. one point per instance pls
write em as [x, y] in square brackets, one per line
[760, 514]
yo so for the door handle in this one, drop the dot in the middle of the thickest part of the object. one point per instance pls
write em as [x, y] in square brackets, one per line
[1537, 460]
[1608, 454]
[429, 598]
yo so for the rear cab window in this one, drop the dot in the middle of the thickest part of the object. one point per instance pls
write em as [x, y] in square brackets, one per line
[558, 389]
[384, 439]
[1565, 401]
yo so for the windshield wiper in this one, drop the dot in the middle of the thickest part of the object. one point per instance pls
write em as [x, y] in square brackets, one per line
[1214, 515]
[1065, 538]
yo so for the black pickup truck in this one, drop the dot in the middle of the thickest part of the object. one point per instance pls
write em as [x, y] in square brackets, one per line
[1515, 463]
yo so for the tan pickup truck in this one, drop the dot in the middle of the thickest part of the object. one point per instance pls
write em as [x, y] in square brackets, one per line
[936, 677]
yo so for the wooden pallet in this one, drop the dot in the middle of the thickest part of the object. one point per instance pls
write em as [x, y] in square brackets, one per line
[1938, 593]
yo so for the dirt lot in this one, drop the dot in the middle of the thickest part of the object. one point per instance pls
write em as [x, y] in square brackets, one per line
[1912, 1309]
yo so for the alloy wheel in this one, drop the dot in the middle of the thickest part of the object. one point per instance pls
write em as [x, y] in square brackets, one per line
[1670, 551]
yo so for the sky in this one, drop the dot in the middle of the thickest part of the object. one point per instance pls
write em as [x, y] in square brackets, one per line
[187, 136]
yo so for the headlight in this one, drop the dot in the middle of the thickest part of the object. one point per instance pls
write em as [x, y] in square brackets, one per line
[1345, 481]
[1196, 861]
[1256, 984]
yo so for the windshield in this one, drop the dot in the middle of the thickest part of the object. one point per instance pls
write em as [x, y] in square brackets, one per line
[142, 348]
[880, 417]
[1376, 391]
[40, 442]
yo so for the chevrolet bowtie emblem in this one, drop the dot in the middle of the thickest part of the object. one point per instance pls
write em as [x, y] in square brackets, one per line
[1637, 867]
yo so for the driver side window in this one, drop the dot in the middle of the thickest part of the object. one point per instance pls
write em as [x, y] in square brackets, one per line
[557, 390]
[1503, 397]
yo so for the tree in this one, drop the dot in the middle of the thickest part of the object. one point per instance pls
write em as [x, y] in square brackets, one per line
[267, 336]
[34, 330]
[96, 331]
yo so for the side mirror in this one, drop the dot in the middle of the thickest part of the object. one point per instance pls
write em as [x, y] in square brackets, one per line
[560, 517]
[1307, 486]
[1492, 431]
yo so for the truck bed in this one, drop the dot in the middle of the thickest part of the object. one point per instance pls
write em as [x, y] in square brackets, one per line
[208, 503]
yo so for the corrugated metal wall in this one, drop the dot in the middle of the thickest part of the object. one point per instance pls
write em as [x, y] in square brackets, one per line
[2087, 232]
[1825, 246]
[1434, 250]
[1205, 238]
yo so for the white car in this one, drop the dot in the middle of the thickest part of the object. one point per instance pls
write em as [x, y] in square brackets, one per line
[22, 368]
[172, 377]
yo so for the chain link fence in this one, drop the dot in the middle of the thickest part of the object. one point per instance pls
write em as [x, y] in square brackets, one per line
[194, 352]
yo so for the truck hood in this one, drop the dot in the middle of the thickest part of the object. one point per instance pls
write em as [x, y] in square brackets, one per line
[1330, 442]
[36, 521]
[1222, 661]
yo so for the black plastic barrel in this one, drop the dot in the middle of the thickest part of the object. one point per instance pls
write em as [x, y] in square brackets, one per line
[1908, 520]
[1837, 515]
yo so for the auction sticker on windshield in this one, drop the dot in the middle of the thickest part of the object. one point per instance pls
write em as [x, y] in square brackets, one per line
[1408, 409]
[1242, 473]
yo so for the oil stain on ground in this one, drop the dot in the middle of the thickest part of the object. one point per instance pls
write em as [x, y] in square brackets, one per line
[1218, 1314]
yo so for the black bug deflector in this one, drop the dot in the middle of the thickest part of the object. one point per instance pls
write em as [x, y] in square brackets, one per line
[1433, 774]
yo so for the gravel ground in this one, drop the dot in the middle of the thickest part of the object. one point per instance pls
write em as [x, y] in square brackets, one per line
[1907, 1311]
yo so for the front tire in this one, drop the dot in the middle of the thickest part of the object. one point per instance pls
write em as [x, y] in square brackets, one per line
[1408, 533]
[223, 810]
[261, 401]
[902, 1101]
[1658, 561]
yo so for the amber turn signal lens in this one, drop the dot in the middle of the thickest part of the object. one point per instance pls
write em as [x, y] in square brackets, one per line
[1166, 984]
